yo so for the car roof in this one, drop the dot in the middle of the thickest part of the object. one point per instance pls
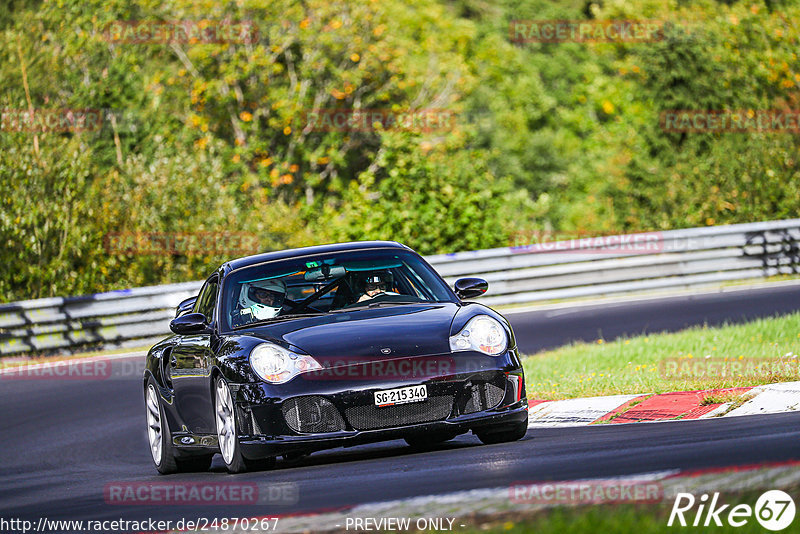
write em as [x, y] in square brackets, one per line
[304, 251]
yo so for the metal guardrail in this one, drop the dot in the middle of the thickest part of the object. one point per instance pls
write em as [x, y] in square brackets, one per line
[544, 271]
[117, 318]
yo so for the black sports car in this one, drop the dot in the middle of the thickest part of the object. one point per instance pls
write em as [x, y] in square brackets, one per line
[286, 353]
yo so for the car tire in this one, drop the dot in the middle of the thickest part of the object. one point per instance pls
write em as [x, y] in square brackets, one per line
[159, 436]
[513, 433]
[426, 441]
[228, 434]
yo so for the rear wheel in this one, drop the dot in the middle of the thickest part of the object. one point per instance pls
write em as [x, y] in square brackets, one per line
[426, 441]
[159, 438]
[228, 435]
[158, 434]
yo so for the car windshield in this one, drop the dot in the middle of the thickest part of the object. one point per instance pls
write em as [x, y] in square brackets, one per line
[328, 283]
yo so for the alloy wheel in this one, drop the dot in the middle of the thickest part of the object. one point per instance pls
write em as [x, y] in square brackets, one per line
[226, 426]
[154, 429]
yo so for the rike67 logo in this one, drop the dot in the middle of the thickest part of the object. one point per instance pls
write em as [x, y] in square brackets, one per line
[774, 510]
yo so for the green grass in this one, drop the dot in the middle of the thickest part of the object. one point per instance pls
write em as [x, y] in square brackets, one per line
[641, 364]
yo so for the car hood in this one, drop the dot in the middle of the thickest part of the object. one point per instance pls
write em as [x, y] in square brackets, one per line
[368, 334]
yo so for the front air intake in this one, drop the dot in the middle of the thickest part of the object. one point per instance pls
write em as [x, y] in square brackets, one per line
[483, 396]
[371, 417]
[312, 415]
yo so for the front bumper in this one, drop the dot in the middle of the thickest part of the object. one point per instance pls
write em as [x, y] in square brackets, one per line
[254, 447]
[479, 392]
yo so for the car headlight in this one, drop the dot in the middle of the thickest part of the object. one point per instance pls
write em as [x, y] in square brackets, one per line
[483, 334]
[277, 365]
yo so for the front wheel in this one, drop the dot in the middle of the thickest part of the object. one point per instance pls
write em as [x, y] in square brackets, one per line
[228, 436]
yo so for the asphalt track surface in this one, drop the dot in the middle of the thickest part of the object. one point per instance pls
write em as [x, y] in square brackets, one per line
[63, 441]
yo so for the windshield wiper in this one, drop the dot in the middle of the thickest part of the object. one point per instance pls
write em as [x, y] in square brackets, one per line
[380, 304]
[278, 319]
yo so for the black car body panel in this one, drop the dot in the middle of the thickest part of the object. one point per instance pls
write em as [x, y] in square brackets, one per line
[361, 351]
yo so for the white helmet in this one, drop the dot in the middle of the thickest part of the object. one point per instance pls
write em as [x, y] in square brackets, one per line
[262, 299]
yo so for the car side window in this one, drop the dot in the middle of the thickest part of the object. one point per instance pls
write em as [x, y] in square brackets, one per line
[207, 300]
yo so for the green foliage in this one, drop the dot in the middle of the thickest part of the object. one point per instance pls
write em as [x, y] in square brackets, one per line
[215, 137]
[46, 249]
[738, 58]
[441, 200]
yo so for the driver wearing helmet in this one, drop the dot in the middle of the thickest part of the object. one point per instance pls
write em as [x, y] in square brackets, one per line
[259, 300]
[376, 284]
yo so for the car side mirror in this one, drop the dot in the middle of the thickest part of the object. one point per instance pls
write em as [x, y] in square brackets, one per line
[467, 288]
[185, 306]
[191, 323]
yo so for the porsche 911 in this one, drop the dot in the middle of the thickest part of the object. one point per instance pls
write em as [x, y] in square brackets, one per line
[286, 353]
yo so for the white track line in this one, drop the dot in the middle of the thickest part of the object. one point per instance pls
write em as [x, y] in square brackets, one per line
[772, 398]
[574, 412]
[719, 410]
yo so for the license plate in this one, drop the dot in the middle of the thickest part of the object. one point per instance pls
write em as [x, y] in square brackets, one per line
[390, 397]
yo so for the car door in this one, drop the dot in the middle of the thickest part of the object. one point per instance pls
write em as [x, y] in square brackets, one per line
[190, 372]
